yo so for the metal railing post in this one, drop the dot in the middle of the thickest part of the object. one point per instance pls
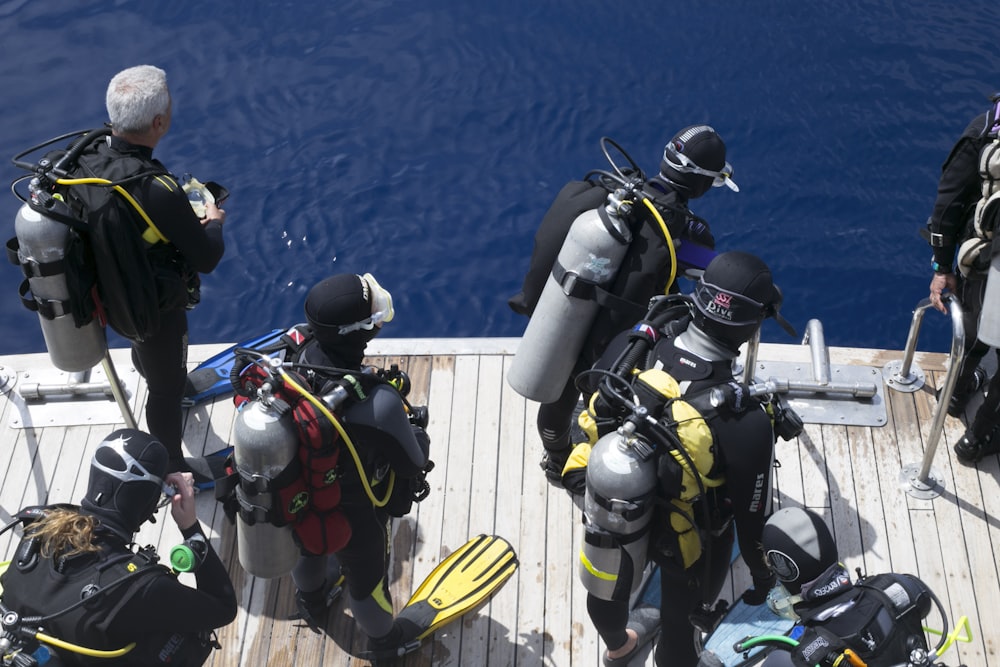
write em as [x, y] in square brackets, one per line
[921, 481]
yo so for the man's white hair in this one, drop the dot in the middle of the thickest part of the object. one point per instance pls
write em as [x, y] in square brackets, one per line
[135, 97]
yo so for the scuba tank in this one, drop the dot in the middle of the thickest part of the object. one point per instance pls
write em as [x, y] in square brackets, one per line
[618, 508]
[42, 249]
[989, 317]
[265, 443]
[589, 259]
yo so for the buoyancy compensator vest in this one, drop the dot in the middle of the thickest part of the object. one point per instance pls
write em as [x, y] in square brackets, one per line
[288, 468]
[879, 618]
[118, 266]
[78, 600]
[982, 250]
[974, 253]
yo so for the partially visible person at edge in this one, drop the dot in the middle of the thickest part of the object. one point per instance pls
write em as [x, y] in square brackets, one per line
[953, 226]
[879, 618]
[84, 551]
[694, 161]
[140, 107]
[731, 300]
[344, 312]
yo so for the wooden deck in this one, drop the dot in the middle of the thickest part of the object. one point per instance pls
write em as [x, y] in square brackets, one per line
[487, 480]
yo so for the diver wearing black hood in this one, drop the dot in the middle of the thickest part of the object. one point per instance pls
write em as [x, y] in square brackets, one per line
[344, 313]
[69, 552]
[696, 348]
[693, 162]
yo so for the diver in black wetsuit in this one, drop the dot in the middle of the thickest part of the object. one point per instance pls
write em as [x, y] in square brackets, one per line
[344, 313]
[951, 225]
[139, 108]
[69, 552]
[693, 162]
[733, 297]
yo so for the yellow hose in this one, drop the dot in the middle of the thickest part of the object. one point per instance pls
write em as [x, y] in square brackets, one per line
[83, 650]
[156, 235]
[670, 244]
[308, 395]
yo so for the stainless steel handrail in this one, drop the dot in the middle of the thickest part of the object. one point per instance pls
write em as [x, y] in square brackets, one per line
[920, 481]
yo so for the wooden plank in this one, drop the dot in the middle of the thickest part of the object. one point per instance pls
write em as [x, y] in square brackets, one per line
[456, 529]
[899, 531]
[534, 640]
[873, 548]
[502, 649]
[843, 502]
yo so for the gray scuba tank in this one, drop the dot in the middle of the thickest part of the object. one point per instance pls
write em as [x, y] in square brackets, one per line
[989, 317]
[42, 245]
[618, 508]
[590, 257]
[265, 443]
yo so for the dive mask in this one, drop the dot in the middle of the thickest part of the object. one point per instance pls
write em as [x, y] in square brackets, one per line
[382, 310]
[686, 165]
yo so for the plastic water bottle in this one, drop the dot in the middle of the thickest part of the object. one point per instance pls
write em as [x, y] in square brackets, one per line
[781, 602]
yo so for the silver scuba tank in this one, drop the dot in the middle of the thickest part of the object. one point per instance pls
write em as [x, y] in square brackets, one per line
[42, 242]
[618, 508]
[264, 444]
[590, 256]
[989, 317]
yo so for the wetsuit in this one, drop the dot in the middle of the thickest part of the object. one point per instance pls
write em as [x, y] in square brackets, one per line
[161, 358]
[162, 615]
[644, 273]
[384, 439]
[949, 225]
[744, 448]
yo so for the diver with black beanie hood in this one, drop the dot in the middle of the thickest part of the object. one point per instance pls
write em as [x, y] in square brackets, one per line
[70, 553]
[345, 312]
[696, 345]
[693, 162]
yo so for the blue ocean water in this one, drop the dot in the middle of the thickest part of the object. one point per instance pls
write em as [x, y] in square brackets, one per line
[424, 141]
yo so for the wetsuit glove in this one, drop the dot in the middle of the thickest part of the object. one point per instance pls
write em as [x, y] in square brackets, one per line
[757, 594]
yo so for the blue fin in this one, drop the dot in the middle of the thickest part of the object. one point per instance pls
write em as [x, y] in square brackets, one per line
[211, 378]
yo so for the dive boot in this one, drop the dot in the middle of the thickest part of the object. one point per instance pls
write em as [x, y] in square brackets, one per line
[552, 465]
[402, 639]
[959, 399]
[971, 450]
[313, 606]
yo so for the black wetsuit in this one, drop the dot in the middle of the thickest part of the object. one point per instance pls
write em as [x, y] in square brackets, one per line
[149, 609]
[381, 433]
[744, 448]
[162, 357]
[644, 273]
[959, 189]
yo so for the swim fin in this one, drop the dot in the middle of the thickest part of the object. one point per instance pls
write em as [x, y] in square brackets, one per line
[461, 583]
[211, 378]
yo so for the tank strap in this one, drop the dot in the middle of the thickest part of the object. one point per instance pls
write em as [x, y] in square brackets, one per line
[579, 288]
[47, 308]
[628, 510]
